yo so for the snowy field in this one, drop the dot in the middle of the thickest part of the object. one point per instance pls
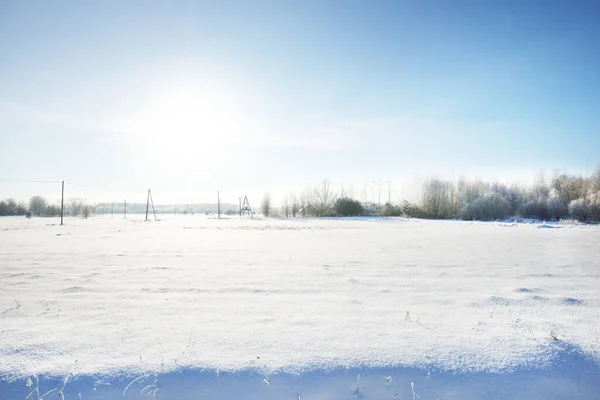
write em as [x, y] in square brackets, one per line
[201, 308]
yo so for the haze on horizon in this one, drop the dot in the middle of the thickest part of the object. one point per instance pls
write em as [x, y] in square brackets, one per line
[247, 97]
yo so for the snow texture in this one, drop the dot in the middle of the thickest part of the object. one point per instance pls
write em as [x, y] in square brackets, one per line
[205, 308]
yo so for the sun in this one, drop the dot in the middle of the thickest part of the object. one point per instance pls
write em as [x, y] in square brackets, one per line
[190, 126]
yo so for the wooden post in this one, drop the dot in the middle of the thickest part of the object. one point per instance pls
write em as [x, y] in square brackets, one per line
[218, 205]
[240, 200]
[62, 202]
[147, 204]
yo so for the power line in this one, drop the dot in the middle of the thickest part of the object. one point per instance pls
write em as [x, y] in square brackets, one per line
[43, 181]
[27, 181]
[79, 184]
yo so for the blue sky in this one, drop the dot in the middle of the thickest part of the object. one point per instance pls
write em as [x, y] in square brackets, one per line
[190, 97]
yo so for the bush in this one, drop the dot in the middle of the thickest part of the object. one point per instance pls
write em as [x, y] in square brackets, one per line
[346, 207]
[487, 208]
[412, 210]
[578, 209]
[390, 210]
[535, 209]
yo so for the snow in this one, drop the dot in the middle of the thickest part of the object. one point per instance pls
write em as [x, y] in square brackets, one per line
[218, 308]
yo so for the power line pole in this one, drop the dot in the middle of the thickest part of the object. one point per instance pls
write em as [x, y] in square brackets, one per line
[240, 200]
[62, 202]
[147, 204]
[149, 201]
[218, 205]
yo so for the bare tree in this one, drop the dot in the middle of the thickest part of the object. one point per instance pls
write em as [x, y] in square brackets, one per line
[324, 198]
[87, 211]
[436, 198]
[305, 203]
[265, 205]
[294, 204]
[37, 205]
[285, 207]
[75, 207]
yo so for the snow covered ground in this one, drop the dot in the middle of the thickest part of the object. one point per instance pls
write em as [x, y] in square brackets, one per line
[279, 309]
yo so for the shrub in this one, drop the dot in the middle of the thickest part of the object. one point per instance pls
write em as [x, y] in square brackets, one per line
[346, 207]
[535, 209]
[412, 210]
[390, 210]
[487, 208]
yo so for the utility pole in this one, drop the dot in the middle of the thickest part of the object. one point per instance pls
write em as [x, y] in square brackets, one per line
[62, 202]
[148, 200]
[125, 209]
[218, 205]
[147, 204]
[240, 200]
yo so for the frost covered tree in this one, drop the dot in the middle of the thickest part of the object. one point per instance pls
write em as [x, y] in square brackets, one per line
[265, 205]
[11, 207]
[294, 204]
[594, 206]
[578, 209]
[75, 206]
[37, 205]
[487, 208]
[52, 211]
[436, 201]
[86, 211]
[324, 198]
[285, 207]
[557, 208]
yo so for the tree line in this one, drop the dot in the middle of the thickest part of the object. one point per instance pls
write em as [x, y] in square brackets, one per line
[560, 197]
[38, 206]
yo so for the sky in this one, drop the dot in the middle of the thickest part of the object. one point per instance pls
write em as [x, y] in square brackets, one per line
[248, 97]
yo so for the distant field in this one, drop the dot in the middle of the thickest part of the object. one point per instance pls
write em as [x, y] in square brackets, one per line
[305, 300]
